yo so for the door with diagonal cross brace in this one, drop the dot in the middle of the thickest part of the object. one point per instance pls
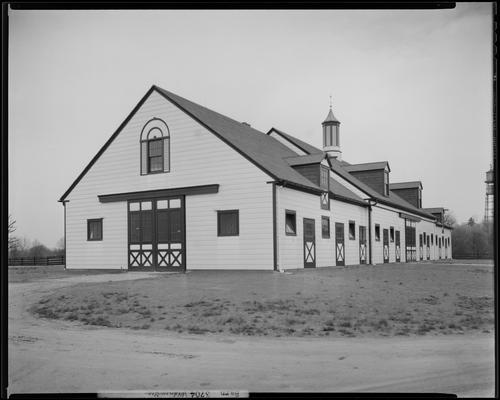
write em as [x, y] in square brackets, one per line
[362, 244]
[309, 243]
[386, 245]
[339, 244]
[156, 234]
[398, 246]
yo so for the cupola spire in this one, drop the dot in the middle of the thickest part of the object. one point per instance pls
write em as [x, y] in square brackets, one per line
[331, 135]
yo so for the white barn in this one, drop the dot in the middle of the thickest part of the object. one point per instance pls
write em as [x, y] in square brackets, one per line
[181, 187]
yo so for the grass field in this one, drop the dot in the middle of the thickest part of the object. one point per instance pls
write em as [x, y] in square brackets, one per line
[33, 273]
[382, 300]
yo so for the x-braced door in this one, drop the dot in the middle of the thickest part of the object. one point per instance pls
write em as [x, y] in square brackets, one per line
[428, 239]
[170, 234]
[140, 228]
[386, 245]
[398, 246]
[156, 234]
[362, 244]
[339, 244]
[309, 243]
[421, 247]
[439, 248]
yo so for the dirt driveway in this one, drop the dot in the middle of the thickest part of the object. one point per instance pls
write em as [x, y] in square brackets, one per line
[55, 356]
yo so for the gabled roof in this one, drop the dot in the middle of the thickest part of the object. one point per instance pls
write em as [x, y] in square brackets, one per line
[263, 150]
[367, 166]
[405, 185]
[392, 200]
[305, 147]
[304, 160]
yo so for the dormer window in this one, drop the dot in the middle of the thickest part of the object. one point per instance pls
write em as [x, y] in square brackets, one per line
[155, 147]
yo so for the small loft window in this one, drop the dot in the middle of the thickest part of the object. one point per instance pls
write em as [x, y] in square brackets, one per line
[228, 223]
[325, 227]
[290, 223]
[352, 230]
[386, 183]
[155, 147]
[94, 229]
[324, 177]
[391, 233]
[377, 232]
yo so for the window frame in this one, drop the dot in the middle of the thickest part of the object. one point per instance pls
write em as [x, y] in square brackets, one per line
[353, 224]
[391, 234]
[328, 234]
[377, 234]
[94, 220]
[220, 213]
[294, 213]
[145, 158]
[161, 156]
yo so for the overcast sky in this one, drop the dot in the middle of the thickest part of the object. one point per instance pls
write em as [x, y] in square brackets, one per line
[410, 87]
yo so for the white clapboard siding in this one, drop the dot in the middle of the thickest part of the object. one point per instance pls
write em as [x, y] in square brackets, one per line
[387, 218]
[198, 157]
[343, 213]
[291, 248]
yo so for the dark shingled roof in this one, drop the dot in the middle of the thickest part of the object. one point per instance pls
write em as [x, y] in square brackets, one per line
[307, 159]
[340, 192]
[262, 149]
[405, 185]
[367, 166]
[305, 147]
[434, 209]
[392, 200]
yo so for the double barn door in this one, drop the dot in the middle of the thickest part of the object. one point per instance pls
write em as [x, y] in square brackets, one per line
[156, 234]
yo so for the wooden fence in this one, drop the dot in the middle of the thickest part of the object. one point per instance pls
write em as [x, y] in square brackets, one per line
[58, 260]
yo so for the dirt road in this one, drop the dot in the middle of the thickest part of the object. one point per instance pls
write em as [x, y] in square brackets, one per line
[55, 356]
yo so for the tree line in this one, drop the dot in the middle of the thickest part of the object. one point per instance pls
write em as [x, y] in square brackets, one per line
[472, 239]
[24, 247]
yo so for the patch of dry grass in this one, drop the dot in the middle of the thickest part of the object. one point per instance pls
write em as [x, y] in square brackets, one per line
[384, 300]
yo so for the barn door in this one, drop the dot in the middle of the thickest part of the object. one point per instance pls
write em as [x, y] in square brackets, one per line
[140, 222]
[421, 247]
[339, 244]
[428, 247]
[398, 246]
[386, 245]
[169, 234]
[410, 240]
[362, 244]
[156, 234]
[439, 248]
[309, 243]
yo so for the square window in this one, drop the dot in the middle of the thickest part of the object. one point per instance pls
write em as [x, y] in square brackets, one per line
[290, 223]
[94, 229]
[352, 230]
[228, 223]
[325, 227]
[377, 232]
[391, 233]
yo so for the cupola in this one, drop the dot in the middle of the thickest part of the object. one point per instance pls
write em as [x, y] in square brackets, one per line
[331, 135]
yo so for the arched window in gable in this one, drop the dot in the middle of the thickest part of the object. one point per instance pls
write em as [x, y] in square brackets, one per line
[155, 147]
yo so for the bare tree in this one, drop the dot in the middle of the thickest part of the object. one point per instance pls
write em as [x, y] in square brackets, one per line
[13, 241]
[449, 219]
